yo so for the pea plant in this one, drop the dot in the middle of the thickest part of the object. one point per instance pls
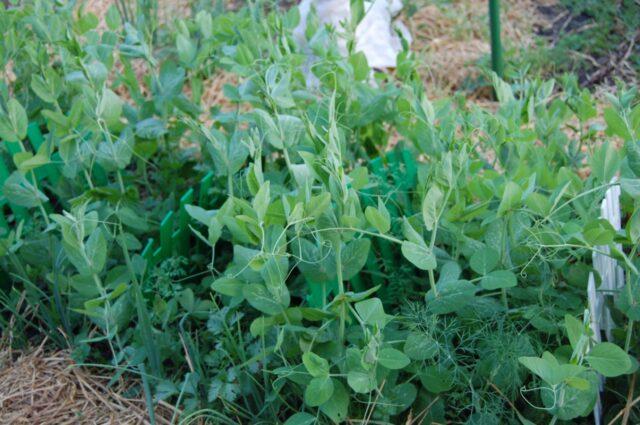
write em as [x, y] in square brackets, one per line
[362, 253]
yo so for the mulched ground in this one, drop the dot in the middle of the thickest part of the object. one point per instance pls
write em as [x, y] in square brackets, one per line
[48, 388]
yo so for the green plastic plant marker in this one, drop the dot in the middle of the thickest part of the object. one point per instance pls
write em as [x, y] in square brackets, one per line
[373, 268]
[357, 283]
[180, 237]
[205, 185]
[99, 175]
[13, 147]
[411, 168]
[319, 292]
[183, 222]
[157, 255]
[147, 252]
[175, 241]
[166, 236]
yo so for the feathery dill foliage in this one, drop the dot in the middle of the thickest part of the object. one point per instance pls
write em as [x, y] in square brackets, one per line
[353, 251]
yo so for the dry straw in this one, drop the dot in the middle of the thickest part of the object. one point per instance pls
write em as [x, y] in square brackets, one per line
[50, 389]
[453, 36]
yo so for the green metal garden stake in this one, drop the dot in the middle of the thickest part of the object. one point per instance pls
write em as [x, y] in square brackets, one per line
[497, 63]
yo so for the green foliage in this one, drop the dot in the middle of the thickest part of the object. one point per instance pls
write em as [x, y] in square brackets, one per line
[328, 276]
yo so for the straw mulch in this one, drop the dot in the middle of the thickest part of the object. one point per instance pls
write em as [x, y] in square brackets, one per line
[168, 12]
[40, 388]
[451, 38]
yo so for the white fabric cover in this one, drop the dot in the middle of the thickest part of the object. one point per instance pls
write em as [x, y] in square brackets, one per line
[375, 34]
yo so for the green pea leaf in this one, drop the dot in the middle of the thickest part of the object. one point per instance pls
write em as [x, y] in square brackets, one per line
[301, 418]
[549, 369]
[578, 383]
[628, 300]
[419, 255]
[261, 201]
[96, 251]
[132, 219]
[484, 260]
[361, 382]
[86, 22]
[109, 107]
[150, 128]
[608, 359]
[112, 18]
[274, 274]
[13, 126]
[400, 397]
[393, 359]
[430, 206]
[337, 407]
[578, 396]
[574, 328]
[511, 198]
[129, 242]
[538, 203]
[26, 161]
[315, 365]
[633, 227]
[420, 346]
[319, 391]
[43, 89]
[605, 162]
[359, 65]
[630, 187]
[19, 191]
[205, 23]
[261, 324]
[616, 125]
[260, 299]
[187, 50]
[499, 279]
[436, 379]
[598, 232]
[359, 178]
[633, 156]
[452, 296]
[379, 217]
[354, 256]
[228, 286]
[372, 313]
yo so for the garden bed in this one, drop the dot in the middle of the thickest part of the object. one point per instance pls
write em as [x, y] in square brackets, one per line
[344, 251]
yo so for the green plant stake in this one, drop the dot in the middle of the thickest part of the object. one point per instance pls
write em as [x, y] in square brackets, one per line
[496, 45]
[183, 224]
[147, 252]
[166, 237]
[205, 185]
